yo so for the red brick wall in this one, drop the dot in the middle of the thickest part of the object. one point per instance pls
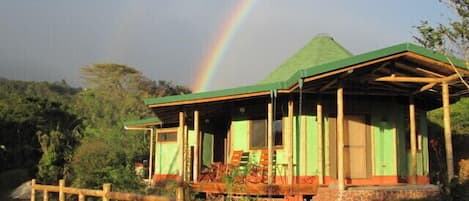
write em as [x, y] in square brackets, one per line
[378, 193]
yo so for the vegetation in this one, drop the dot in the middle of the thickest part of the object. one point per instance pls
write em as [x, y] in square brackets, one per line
[57, 131]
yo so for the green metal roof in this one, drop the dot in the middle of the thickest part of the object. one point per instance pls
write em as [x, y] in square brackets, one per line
[321, 49]
[311, 71]
[137, 123]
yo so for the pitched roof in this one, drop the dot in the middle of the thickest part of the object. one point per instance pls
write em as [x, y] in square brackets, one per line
[321, 49]
[303, 73]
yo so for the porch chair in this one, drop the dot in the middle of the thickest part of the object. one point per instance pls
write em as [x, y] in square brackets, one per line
[259, 174]
[238, 166]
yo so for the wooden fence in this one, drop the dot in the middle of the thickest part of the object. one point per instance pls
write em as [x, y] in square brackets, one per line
[106, 194]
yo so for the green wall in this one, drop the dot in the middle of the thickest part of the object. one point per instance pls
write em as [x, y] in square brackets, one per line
[167, 154]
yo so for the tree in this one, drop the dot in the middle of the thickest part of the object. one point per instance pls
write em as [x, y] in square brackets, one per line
[30, 108]
[451, 38]
[114, 93]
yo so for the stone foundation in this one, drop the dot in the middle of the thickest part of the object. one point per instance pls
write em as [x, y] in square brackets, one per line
[379, 193]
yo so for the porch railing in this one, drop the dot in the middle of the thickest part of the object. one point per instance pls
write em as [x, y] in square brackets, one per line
[106, 194]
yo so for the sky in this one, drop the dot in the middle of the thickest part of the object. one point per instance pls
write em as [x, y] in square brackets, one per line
[168, 40]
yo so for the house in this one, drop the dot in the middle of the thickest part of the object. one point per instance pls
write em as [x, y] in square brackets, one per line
[325, 118]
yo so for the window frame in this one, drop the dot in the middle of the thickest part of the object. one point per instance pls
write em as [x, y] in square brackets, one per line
[250, 130]
[172, 131]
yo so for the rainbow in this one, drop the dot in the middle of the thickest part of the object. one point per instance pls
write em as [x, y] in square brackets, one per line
[206, 70]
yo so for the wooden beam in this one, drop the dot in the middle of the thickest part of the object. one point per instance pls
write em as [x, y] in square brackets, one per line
[197, 147]
[340, 138]
[353, 67]
[460, 93]
[447, 131]
[289, 138]
[425, 87]
[320, 140]
[451, 77]
[269, 140]
[429, 72]
[180, 138]
[407, 79]
[211, 99]
[413, 142]
[434, 62]
[325, 87]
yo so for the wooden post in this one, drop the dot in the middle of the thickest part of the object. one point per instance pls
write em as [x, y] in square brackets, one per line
[106, 190]
[150, 165]
[413, 143]
[179, 194]
[33, 191]
[45, 195]
[269, 140]
[181, 145]
[289, 139]
[187, 169]
[197, 146]
[320, 134]
[340, 138]
[447, 131]
[61, 190]
[81, 197]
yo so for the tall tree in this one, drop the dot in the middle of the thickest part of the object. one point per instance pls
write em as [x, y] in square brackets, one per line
[114, 93]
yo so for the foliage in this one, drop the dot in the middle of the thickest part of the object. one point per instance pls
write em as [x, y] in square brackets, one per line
[451, 38]
[98, 161]
[57, 131]
[114, 94]
[24, 112]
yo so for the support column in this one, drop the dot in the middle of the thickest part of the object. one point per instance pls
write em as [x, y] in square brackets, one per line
[269, 140]
[150, 165]
[289, 139]
[181, 145]
[447, 132]
[320, 136]
[340, 138]
[413, 142]
[197, 147]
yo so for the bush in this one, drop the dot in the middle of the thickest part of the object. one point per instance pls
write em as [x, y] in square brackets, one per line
[96, 162]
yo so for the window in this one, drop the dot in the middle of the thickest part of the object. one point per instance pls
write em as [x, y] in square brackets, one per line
[278, 132]
[169, 135]
[258, 134]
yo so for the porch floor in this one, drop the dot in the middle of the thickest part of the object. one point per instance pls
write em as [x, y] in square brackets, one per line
[257, 189]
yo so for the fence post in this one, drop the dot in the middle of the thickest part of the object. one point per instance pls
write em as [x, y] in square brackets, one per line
[81, 197]
[106, 190]
[61, 190]
[180, 194]
[33, 191]
[45, 195]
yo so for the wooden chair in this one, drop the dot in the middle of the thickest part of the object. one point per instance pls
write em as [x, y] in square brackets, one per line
[260, 173]
[238, 166]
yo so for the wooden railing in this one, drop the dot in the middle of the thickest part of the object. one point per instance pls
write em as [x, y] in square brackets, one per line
[106, 194]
